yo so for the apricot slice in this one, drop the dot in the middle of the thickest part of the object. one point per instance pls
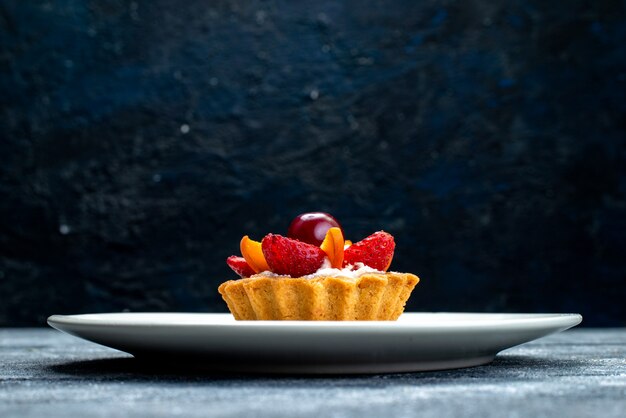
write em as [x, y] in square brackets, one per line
[333, 247]
[251, 251]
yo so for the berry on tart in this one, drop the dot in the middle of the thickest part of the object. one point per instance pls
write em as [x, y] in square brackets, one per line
[312, 227]
[291, 257]
[375, 251]
[239, 266]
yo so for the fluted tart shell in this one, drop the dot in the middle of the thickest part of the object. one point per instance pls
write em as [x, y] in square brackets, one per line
[369, 297]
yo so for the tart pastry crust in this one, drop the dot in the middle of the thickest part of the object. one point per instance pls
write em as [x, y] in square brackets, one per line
[369, 297]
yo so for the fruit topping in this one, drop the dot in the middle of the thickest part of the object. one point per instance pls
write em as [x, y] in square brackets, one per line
[252, 252]
[313, 237]
[375, 251]
[312, 227]
[239, 266]
[333, 247]
[288, 256]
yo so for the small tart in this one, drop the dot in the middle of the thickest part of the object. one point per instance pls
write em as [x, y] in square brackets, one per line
[371, 296]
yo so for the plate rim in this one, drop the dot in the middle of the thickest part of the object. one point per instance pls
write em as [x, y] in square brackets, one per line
[566, 319]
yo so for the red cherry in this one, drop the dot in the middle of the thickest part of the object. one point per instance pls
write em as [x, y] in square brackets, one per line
[312, 227]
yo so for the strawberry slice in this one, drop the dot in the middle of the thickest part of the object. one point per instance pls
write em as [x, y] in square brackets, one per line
[375, 251]
[291, 257]
[239, 266]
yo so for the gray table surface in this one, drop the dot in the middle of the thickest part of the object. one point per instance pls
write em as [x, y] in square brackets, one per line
[577, 373]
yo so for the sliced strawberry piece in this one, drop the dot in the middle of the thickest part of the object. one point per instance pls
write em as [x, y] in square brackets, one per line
[291, 257]
[375, 251]
[239, 266]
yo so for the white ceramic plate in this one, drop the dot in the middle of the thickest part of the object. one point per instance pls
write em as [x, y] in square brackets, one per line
[416, 342]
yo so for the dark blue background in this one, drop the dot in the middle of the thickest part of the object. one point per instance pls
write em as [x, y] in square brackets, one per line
[141, 140]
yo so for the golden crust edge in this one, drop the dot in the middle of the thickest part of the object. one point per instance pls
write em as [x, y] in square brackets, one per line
[266, 302]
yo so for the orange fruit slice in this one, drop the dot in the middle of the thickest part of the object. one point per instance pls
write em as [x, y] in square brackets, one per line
[333, 247]
[251, 251]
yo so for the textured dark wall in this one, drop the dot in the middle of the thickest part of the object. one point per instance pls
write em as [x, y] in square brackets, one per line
[141, 140]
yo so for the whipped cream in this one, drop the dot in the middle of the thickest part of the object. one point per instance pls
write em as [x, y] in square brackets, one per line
[350, 271]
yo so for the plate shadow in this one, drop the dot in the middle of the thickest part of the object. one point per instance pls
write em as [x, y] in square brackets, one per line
[131, 369]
